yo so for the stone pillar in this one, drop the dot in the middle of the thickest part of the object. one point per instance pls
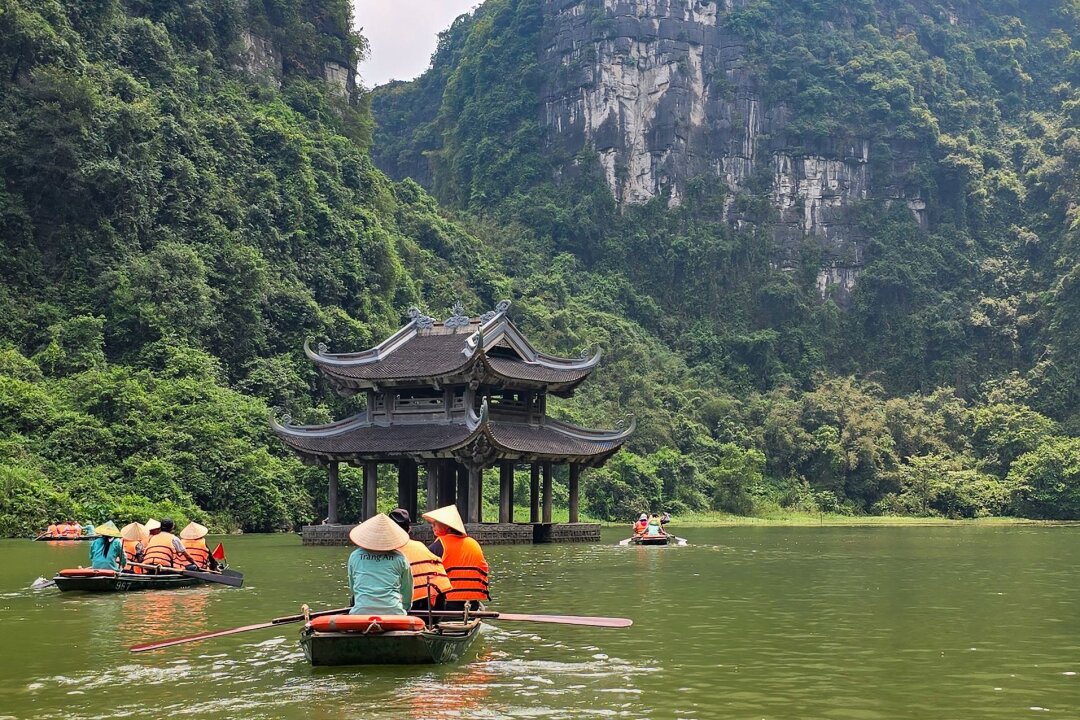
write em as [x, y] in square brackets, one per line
[407, 474]
[506, 492]
[432, 499]
[447, 483]
[534, 493]
[474, 498]
[331, 494]
[547, 492]
[575, 474]
[371, 489]
[462, 491]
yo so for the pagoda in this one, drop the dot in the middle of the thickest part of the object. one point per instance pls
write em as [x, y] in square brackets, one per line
[457, 397]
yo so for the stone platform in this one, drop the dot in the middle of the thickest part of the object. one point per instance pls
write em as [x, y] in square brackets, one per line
[485, 533]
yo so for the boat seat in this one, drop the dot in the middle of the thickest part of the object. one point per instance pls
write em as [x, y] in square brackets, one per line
[367, 624]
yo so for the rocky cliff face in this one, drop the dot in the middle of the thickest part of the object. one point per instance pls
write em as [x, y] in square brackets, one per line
[663, 94]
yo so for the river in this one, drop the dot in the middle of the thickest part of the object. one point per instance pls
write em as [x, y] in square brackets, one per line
[746, 622]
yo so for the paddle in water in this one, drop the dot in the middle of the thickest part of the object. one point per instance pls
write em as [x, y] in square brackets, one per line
[231, 578]
[42, 583]
[234, 631]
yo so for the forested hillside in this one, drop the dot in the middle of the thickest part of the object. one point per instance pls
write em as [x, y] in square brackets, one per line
[188, 193]
[851, 223]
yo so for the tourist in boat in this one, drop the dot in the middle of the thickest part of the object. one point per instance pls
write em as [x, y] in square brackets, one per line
[379, 576]
[654, 529]
[641, 524]
[106, 551]
[193, 538]
[461, 556]
[165, 549]
[430, 582]
[153, 527]
[51, 531]
[134, 537]
[63, 530]
[76, 529]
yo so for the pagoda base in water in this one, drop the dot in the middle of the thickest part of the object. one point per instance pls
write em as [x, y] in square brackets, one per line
[485, 533]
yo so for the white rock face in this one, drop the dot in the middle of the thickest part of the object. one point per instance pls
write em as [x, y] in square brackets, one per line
[662, 93]
[260, 59]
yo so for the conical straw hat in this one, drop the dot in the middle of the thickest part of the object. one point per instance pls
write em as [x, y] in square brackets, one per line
[193, 531]
[152, 525]
[108, 528]
[379, 533]
[135, 531]
[448, 515]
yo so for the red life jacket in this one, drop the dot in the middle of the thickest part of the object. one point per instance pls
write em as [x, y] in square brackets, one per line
[466, 567]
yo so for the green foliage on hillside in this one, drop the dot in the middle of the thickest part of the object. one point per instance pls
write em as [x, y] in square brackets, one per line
[765, 393]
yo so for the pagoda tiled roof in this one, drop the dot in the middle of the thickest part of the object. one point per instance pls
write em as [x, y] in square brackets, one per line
[460, 348]
[359, 439]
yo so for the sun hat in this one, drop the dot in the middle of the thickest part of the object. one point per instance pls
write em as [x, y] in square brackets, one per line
[379, 534]
[193, 531]
[135, 531]
[447, 515]
[108, 529]
[152, 525]
[643, 517]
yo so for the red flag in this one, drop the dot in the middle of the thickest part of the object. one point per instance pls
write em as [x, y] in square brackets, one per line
[219, 552]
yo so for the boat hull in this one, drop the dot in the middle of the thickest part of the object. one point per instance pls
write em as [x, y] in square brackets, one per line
[124, 582]
[81, 538]
[651, 540]
[446, 643]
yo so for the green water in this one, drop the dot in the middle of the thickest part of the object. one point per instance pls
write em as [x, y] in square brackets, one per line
[863, 623]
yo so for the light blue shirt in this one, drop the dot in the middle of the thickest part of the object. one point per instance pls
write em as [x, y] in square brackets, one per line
[110, 560]
[379, 581]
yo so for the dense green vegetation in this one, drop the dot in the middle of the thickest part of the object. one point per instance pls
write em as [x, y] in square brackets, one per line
[950, 371]
[176, 218]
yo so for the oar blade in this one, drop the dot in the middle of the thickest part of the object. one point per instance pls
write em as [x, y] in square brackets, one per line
[627, 541]
[611, 622]
[194, 638]
[233, 579]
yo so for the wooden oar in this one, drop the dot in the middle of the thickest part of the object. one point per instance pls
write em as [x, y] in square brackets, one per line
[627, 541]
[591, 621]
[42, 583]
[232, 578]
[232, 631]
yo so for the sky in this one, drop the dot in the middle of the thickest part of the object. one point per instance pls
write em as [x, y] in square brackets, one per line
[402, 34]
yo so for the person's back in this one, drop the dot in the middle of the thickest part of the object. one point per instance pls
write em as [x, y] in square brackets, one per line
[133, 552]
[52, 531]
[379, 576]
[430, 580]
[106, 550]
[653, 528]
[466, 567]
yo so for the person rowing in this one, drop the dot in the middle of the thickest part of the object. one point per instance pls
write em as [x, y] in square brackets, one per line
[654, 528]
[461, 556]
[106, 550]
[193, 539]
[379, 576]
[430, 581]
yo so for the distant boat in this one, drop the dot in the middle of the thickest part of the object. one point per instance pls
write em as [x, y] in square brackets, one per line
[650, 539]
[326, 642]
[64, 538]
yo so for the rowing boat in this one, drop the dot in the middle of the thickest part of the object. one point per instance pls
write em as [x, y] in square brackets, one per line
[650, 539]
[62, 538]
[90, 580]
[326, 643]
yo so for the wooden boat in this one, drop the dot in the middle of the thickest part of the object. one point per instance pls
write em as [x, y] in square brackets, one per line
[90, 580]
[64, 538]
[441, 642]
[650, 539]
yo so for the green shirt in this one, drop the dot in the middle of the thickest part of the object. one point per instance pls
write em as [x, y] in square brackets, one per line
[112, 559]
[379, 581]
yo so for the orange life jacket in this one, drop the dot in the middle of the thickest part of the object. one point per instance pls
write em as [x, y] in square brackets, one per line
[641, 526]
[131, 554]
[52, 532]
[160, 551]
[198, 551]
[63, 530]
[427, 569]
[465, 565]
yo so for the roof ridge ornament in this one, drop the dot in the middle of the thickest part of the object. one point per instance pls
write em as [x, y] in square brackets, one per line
[422, 321]
[323, 348]
[500, 309]
[283, 415]
[458, 319]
